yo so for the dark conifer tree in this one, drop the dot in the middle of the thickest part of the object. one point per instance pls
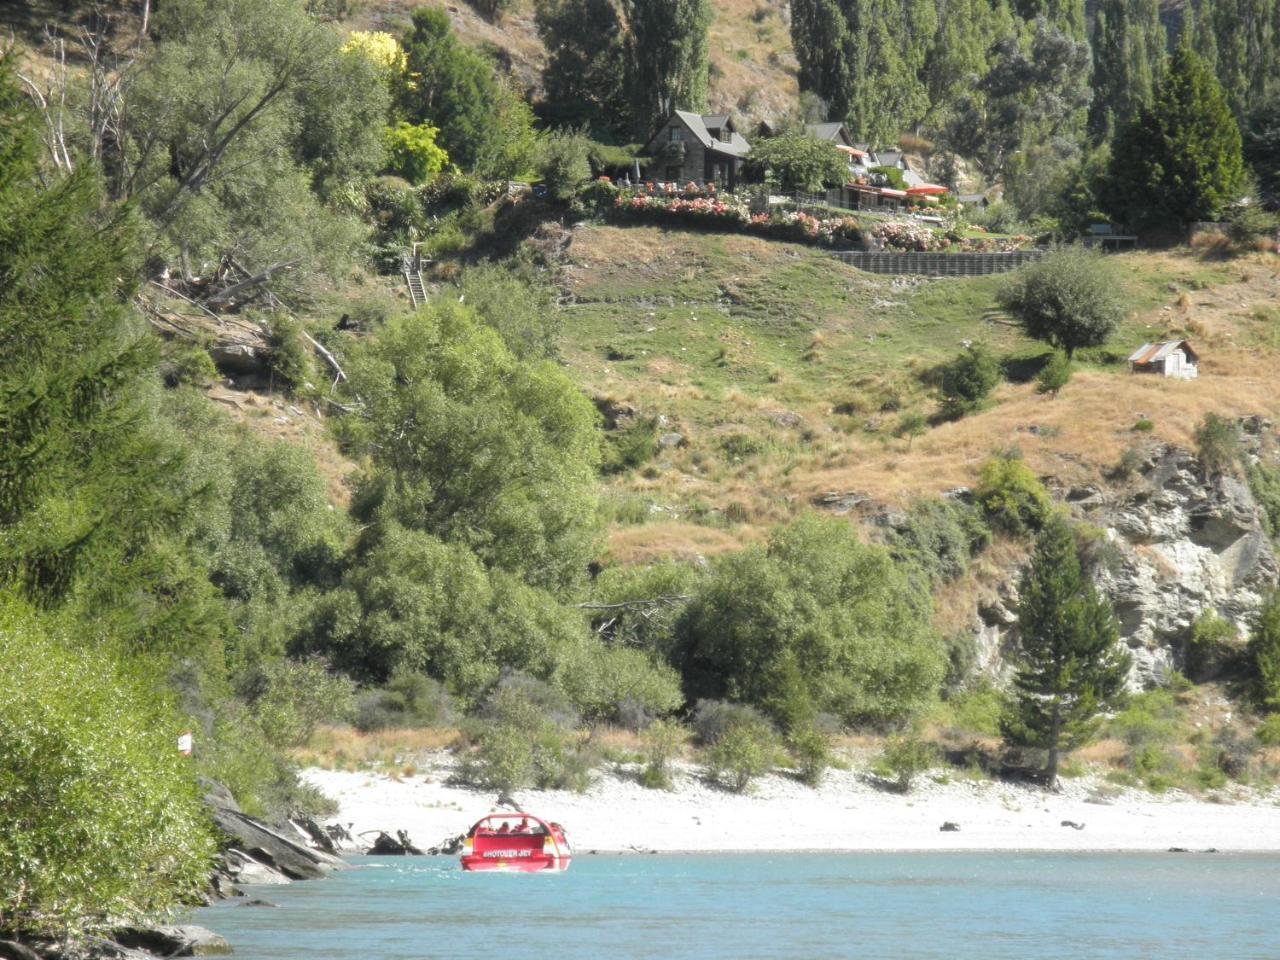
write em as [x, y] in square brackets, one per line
[1071, 666]
[1180, 159]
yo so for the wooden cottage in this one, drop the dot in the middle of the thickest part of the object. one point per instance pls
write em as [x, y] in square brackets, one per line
[1173, 358]
[702, 149]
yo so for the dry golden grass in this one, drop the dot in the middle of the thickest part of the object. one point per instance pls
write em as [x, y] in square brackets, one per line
[672, 540]
[1110, 753]
[1077, 436]
[395, 751]
[274, 417]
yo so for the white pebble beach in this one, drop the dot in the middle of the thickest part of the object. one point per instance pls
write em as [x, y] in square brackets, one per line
[848, 811]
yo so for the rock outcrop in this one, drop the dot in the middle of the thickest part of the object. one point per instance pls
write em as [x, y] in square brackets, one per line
[1180, 545]
[184, 941]
[1172, 544]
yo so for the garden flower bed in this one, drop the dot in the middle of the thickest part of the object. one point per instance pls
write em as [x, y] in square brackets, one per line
[728, 212]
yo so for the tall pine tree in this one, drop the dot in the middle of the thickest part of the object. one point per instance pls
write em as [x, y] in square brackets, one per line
[1180, 159]
[1071, 666]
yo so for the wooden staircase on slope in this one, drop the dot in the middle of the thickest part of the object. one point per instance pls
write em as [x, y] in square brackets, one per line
[411, 266]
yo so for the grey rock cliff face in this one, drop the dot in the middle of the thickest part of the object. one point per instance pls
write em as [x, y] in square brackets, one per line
[1180, 545]
[1174, 544]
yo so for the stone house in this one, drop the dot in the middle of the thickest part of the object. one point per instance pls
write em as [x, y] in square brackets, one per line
[699, 148]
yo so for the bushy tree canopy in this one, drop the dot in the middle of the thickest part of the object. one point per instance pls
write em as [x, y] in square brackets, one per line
[1070, 299]
[798, 161]
[476, 447]
[102, 822]
[820, 603]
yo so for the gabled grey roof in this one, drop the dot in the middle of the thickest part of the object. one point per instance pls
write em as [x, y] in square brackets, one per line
[736, 145]
[889, 158]
[828, 131]
[1156, 352]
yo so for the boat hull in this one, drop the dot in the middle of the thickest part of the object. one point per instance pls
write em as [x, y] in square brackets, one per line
[480, 863]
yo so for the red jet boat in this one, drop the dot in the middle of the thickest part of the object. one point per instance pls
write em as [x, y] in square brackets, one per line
[515, 841]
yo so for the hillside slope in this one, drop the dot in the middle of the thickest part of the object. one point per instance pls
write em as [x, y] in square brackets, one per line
[753, 68]
[784, 372]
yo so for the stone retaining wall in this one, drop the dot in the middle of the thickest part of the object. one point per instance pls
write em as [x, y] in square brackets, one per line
[938, 264]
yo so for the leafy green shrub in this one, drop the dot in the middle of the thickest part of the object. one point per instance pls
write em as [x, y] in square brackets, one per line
[911, 425]
[631, 448]
[1150, 719]
[741, 753]
[1217, 442]
[711, 718]
[289, 355]
[662, 742]
[1011, 496]
[1054, 375]
[563, 163]
[1249, 222]
[189, 364]
[977, 711]
[597, 197]
[299, 695]
[940, 537]
[967, 380]
[1143, 426]
[412, 152]
[810, 749]
[903, 759]
[1264, 484]
[1069, 299]
[102, 822]
[1268, 731]
[1210, 649]
[409, 699]
[523, 737]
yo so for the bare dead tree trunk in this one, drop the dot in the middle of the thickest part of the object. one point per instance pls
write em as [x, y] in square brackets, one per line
[252, 281]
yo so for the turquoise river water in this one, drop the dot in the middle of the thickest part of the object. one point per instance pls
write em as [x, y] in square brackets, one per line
[957, 906]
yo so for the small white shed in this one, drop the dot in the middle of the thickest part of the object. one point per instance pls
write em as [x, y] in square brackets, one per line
[1173, 358]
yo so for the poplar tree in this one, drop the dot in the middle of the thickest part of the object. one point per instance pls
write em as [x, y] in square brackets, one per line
[1128, 44]
[1071, 667]
[666, 58]
[583, 77]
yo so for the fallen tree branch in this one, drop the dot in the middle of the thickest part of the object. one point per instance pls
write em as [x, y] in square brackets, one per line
[643, 603]
[252, 281]
[328, 357]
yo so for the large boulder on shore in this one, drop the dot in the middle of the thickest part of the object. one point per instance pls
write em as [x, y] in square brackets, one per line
[184, 941]
[265, 845]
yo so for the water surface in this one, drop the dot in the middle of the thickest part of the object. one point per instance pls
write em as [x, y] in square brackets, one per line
[955, 906]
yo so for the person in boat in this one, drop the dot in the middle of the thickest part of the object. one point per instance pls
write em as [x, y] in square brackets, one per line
[505, 828]
[522, 826]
